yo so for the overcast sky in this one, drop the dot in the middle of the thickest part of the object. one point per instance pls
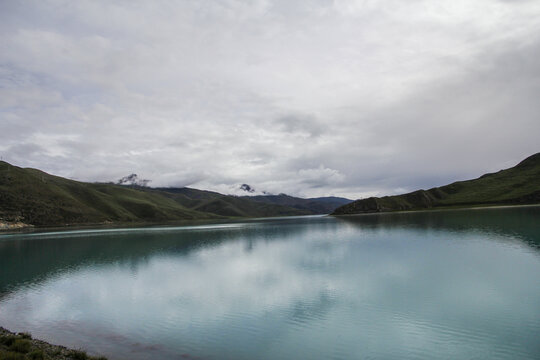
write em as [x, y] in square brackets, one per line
[309, 98]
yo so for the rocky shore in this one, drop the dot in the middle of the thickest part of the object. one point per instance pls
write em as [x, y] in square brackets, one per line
[21, 346]
[6, 225]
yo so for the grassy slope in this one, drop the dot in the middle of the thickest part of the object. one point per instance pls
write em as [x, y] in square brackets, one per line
[41, 199]
[323, 205]
[517, 185]
[226, 205]
[37, 198]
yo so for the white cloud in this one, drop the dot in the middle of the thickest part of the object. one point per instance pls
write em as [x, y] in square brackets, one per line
[386, 94]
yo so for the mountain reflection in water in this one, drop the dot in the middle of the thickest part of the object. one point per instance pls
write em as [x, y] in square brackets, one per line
[443, 284]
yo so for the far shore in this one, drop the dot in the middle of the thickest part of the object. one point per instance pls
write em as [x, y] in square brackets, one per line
[140, 224]
[20, 227]
[440, 208]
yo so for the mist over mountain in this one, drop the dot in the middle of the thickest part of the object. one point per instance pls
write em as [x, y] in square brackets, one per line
[133, 179]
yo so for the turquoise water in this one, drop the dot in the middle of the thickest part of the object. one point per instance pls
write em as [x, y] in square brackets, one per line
[429, 285]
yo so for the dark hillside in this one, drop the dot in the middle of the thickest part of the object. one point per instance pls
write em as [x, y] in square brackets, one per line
[34, 197]
[322, 205]
[227, 205]
[37, 198]
[517, 185]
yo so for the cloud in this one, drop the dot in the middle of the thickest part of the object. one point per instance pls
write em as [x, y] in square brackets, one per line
[300, 125]
[389, 95]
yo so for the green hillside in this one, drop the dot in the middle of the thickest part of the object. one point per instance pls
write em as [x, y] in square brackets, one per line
[321, 205]
[226, 205]
[34, 197]
[517, 185]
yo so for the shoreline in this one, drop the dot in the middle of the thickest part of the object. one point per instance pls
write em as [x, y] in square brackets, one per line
[31, 229]
[440, 209]
[20, 228]
[21, 346]
[13, 225]
[7, 228]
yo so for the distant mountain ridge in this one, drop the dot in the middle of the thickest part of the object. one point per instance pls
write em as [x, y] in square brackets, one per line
[320, 205]
[517, 185]
[34, 197]
[312, 206]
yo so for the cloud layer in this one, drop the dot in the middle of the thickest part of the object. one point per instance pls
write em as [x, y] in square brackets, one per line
[310, 98]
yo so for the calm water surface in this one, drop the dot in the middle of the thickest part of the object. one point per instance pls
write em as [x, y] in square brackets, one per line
[431, 285]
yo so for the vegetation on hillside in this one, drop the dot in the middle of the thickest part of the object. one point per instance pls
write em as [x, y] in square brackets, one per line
[321, 205]
[30, 196]
[517, 185]
[34, 197]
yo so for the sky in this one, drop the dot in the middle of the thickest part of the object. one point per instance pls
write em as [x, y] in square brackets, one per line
[312, 98]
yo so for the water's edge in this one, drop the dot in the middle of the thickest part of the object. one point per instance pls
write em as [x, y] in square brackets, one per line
[24, 345]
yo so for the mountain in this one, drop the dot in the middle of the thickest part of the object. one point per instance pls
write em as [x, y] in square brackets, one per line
[225, 205]
[321, 205]
[34, 197]
[517, 185]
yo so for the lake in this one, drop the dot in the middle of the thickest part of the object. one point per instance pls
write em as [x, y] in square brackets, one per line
[457, 284]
